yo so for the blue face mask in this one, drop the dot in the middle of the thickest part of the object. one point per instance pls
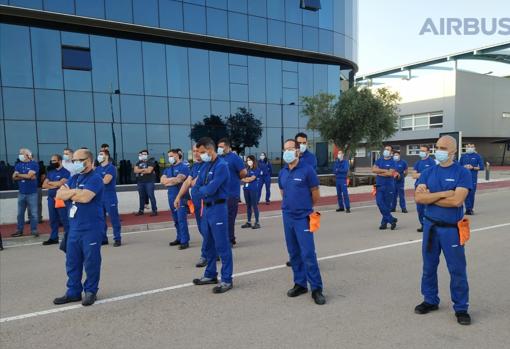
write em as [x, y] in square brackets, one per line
[205, 157]
[289, 156]
[442, 155]
[422, 154]
[21, 157]
[65, 157]
[386, 153]
[470, 150]
[221, 150]
[396, 157]
[78, 166]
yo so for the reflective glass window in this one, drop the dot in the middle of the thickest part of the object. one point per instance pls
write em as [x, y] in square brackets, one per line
[146, 12]
[49, 105]
[217, 4]
[293, 35]
[79, 106]
[158, 134]
[276, 33]
[3, 147]
[158, 150]
[325, 41]
[37, 4]
[104, 135]
[239, 92]
[259, 110]
[46, 150]
[199, 73]
[219, 75]
[290, 95]
[236, 59]
[118, 10]
[75, 39]
[103, 107]
[274, 115]
[237, 26]
[64, 6]
[274, 146]
[18, 103]
[81, 134]
[156, 110]
[130, 66]
[179, 137]
[238, 5]
[339, 44]
[290, 79]
[310, 5]
[289, 66]
[326, 14]
[220, 108]
[320, 78]
[134, 140]
[177, 70]
[276, 10]
[290, 116]
[217, 23]
[194, 19]
[76, 58]
[257, 79]
[15, 58]
[199, 109]
[238, 74]
[90, 8]
[47, 58]
[179, 110]
[170, 14]
[311, 18]
[104, 60]
[78, 80]
[51, 132]
[257, 29]
[293, 11]
[19, 134]
[273, 81]
[154, 69]
[333, 79]
[310, 39]
[132, 108]
[257, 8]
[1, 107]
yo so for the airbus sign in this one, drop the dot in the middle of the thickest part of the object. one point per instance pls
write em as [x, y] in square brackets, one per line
[466, 26]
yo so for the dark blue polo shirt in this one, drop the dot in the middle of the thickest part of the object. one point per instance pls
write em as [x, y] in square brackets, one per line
[55, 176]
[174, 171]
[308, 158]
[27, 186]
[194, 173]
[385, 164]
[88, 216]
[474, 160]
[401, 167]
[235, 165]
[254, 185]
[109, 189]
[422, 165]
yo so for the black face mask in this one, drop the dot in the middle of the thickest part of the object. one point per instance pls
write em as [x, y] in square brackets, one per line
[54, 165]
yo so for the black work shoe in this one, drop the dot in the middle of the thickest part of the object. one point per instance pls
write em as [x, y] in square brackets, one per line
[183, 246]
[318, 297]
[233, 242]
[420, 229]
[66, 299]
[246, 225]
[394, 224]
[117, 243]
[268, 202]
[139, 213]
[463, 318]
[469, 213]
[347, 210]
[16, 234]
[202, 262]
[35, 234]
[153, 214]
[288, 264]
[256, 226]
[425, 308]
[222, 287]
[340, 209]
[205, 281]
[175, 243]
[50, 242]
[297, 290]
[104, 242]
[89, 299]
[404, 210]
[383, 227]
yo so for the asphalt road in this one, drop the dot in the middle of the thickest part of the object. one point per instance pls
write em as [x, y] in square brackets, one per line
[371, 278]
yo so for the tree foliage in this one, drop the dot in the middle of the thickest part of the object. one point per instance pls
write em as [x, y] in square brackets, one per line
[359, 116]
[244, 130]
[212, 126]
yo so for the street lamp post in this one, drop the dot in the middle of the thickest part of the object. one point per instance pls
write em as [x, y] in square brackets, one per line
[114, 139]
[281, 120]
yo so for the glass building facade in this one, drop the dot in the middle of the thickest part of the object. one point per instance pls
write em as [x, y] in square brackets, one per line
[64, 85]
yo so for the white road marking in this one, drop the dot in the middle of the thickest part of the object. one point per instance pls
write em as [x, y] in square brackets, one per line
[245, 273]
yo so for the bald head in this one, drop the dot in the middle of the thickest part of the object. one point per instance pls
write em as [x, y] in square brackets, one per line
[447, 143]
[84, 155]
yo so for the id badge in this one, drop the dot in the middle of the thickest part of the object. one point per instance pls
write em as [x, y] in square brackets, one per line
[72, 211]
[246, 185]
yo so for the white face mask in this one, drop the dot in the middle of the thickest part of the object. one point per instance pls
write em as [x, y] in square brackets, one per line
[303, 147]
[250, 163]
[221, 150]
[262, 157]
[171, 160]
[100, 158]
[142, 157]
[396, 157]
[340, 156]
[470, 150]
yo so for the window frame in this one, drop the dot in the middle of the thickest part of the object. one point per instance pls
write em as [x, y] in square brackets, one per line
[76, 67]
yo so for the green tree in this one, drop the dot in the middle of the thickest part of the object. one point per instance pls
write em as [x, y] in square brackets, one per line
[244, 130]
[359, 116]
[212, 126]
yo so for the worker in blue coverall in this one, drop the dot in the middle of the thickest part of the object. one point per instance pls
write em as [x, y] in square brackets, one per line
[299, 186]
[341, 169]
[400, 181]
[84, 191]
[421, 165]
[237, 172]
[384, 168]
[265, 166]
[172, 178]
[57, 177]
[251, 185]
[474, 163]
[213, 185]
[443, 189]
[108, 172]
[196, 199]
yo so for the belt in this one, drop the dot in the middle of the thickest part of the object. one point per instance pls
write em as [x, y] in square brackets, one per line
[215, 202]
[433, 229]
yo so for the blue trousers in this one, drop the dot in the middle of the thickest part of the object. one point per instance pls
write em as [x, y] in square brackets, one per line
[384, 199]
[146, 190]
[83, 252]
[57, 215]
[252, 204]
[342, 193]
[233, 206]
[217, 242]
[265, 181]
[28, 201]
[180, 218]
[301, 249]
[470, 199]
[198, 216]
[446, 240]
[399, 194]
[110, 207]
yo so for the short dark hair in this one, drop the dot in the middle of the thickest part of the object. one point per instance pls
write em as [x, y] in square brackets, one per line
[425, 146]
[205, 142]
[225, 140]
[396, 151]
[144, 151]
[69, 149]
[301, 134]
[176, 151]
[58, 156]
[105, 145]
[293, 141]
[106, 152]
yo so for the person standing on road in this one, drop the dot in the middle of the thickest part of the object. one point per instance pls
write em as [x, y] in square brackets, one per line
[145, 178]
[265, 180]
[172, 178]
[108, 172]
[400, 181]
[299, 186]
[26, 174]
[443, 190]
[213, 185]
[341, 169]
[237, 172]
[474, 163]
[251, 190]
[421, 165]
[384, 168]
[57, 177]
[84, 191]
